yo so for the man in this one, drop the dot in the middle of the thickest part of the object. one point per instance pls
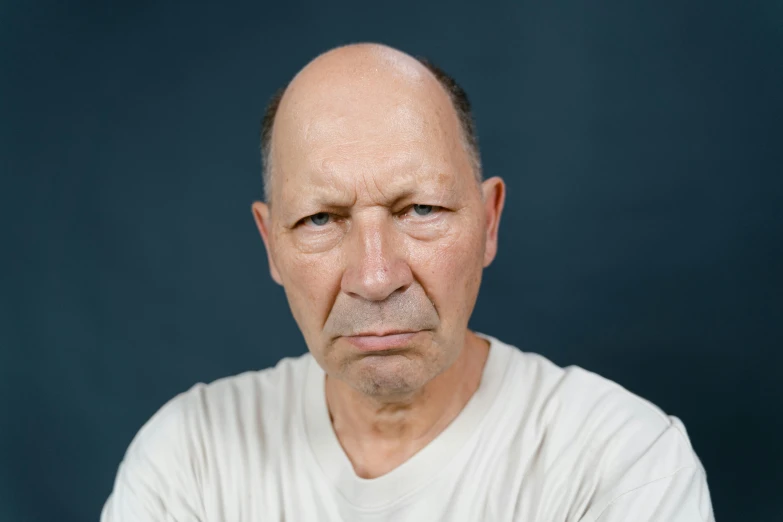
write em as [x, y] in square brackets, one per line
[378, 224]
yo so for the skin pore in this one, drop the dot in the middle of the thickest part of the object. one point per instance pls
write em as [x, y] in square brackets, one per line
[379, 231]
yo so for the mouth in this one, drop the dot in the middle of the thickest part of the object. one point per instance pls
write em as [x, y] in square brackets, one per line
[376, 342]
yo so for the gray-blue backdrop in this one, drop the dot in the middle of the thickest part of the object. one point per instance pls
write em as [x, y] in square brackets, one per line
[641, 143]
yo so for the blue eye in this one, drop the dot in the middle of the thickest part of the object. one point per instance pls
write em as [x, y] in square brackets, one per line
[319, 219]
[422, 210]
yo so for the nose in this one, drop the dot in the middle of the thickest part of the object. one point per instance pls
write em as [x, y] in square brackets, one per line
[376, 266]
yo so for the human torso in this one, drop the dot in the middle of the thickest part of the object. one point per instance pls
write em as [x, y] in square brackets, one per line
[536, 442]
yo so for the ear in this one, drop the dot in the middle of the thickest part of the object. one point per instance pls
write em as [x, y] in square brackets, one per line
[494, 195]
[261, 215]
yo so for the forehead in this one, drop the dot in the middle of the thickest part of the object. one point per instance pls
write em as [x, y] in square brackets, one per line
[389, 128]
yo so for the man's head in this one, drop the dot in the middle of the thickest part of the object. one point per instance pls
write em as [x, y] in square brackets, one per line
[376, 220]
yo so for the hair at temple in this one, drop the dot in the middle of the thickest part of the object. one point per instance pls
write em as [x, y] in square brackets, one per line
[459, 99]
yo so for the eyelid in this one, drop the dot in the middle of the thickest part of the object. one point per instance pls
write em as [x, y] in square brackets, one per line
[435, 208]
[332, 217]
[301, 221]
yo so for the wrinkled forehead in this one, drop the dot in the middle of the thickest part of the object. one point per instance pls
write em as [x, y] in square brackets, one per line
[333, 130]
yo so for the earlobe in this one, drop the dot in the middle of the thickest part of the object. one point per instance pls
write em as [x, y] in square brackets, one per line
[494, 195]
[261, 216]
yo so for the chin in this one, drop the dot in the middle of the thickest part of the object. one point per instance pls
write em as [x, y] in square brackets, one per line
[388, 375]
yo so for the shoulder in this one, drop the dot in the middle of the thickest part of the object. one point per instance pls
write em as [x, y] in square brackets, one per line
[592, 427]
[632, 459]
[608, 416]
[243, 396]
[205, 404]
[231, 406]
[192, 427]
[593, 443]
[199, 437]
[588, 408]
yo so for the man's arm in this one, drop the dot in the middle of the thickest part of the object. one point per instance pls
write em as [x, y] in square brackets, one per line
[156, 480]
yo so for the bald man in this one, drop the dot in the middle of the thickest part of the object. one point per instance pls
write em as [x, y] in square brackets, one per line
[378, 223]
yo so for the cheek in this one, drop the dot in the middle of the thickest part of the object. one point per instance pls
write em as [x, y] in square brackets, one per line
[310, 281]
[450, 269]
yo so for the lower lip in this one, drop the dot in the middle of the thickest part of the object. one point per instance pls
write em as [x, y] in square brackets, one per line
[377, 343]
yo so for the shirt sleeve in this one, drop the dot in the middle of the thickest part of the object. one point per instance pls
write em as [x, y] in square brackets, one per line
[157, 479]
[682, 496]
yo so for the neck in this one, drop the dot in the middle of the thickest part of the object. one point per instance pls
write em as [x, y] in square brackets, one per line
[379, 435]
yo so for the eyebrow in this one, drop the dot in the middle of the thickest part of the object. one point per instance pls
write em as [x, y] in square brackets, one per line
[335, 203]
[405, 189]
[324, 196]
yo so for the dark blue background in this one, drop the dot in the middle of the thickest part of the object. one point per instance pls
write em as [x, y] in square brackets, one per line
[642, 147]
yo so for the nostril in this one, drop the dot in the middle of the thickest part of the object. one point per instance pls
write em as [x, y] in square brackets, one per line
[378, 281]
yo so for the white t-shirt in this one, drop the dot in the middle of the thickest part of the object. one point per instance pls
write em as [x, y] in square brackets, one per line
[535, 443]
